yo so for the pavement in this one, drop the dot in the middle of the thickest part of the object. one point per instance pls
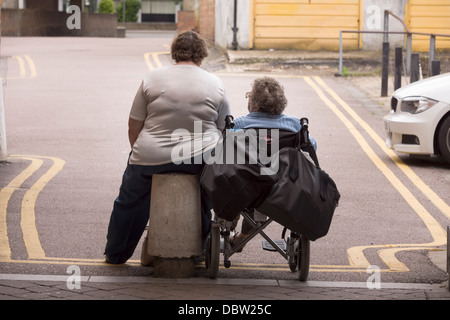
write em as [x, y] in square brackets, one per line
[63, 287]
[365, 83]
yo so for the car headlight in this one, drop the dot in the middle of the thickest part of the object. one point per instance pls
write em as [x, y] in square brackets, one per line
[417, 104]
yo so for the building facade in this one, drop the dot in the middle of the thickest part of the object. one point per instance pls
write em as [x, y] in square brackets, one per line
[316, 24]
[290, 24]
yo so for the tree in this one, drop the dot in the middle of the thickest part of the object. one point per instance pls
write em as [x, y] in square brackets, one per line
[106, 6]
[132, 8]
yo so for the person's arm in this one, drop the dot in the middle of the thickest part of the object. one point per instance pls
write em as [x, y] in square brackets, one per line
[134, 127]
[224, 110]
[137, 116]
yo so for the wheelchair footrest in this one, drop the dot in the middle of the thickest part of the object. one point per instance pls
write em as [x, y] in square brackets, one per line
[267, 246]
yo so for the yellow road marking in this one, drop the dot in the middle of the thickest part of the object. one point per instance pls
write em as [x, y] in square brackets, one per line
[62, 261]
[422, 186]
[28, 215]
[5, 195]
[33, 72]
[147, 61]
[23, 69]
[155, 56]
[355, 254]
[234, 266]
[21, 66]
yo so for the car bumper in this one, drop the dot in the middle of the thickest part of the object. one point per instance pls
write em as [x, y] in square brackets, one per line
[413, 133]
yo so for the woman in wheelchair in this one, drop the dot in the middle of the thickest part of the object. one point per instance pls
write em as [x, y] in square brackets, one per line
[266, 103]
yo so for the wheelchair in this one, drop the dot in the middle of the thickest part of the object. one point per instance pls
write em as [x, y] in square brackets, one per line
[295, 248]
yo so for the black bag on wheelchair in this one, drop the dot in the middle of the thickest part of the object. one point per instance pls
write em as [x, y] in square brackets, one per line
[232, 176]
[305, 197]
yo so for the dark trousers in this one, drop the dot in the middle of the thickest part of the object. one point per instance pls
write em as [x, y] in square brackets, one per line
[131, 209]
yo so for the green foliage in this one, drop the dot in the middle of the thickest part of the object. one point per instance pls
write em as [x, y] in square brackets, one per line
[131, 10]
[345, 72]
[106, 6]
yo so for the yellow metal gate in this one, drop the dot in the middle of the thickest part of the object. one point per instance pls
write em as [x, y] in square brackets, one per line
[304, 24]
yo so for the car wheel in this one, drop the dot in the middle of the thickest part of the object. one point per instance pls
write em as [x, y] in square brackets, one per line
[444, 139]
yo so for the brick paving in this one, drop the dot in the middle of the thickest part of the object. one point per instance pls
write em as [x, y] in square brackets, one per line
[17, 287]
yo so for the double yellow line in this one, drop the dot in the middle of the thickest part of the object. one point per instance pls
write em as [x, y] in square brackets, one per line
[156, 61]
[28, 216]
[27, 68]
[387, 252]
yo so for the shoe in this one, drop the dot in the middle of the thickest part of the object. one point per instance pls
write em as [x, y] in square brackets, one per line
[238, 238]
[109, 262]
[199, 259]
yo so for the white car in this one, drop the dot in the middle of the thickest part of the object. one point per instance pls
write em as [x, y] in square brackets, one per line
[419, 121]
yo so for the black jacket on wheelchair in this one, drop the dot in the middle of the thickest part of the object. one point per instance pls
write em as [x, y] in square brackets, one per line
[233, 185]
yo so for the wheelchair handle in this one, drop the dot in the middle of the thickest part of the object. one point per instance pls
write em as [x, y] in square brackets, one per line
[229, 124]
[304, 130]
[304, 122]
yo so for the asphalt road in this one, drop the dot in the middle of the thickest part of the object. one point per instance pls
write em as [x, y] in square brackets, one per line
[67, 102]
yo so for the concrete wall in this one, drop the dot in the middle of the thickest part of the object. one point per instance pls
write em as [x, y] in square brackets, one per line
[224, 10]
[29, 22]
[373, 20]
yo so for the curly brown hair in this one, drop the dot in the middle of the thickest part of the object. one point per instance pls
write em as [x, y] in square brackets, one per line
[189, 46]
[267, 96]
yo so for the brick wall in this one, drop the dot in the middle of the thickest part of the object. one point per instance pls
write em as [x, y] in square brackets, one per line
[207, 20]
[186, 21]
[202, 21]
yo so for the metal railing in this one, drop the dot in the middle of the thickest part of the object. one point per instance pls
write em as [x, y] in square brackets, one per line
[408, 45]
[386, 33]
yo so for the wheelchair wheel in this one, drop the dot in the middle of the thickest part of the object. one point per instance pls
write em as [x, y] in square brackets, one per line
[303, 258]
[212, 252]
[292, 251]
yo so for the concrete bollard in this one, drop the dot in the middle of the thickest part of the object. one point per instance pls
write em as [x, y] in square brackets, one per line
[121, 32]
[174, 234]
[146, 259]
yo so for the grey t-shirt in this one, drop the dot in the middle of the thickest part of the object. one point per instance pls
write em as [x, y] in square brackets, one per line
[182, 107]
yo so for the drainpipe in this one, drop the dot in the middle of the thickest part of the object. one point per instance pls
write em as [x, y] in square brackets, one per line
[235, 29]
